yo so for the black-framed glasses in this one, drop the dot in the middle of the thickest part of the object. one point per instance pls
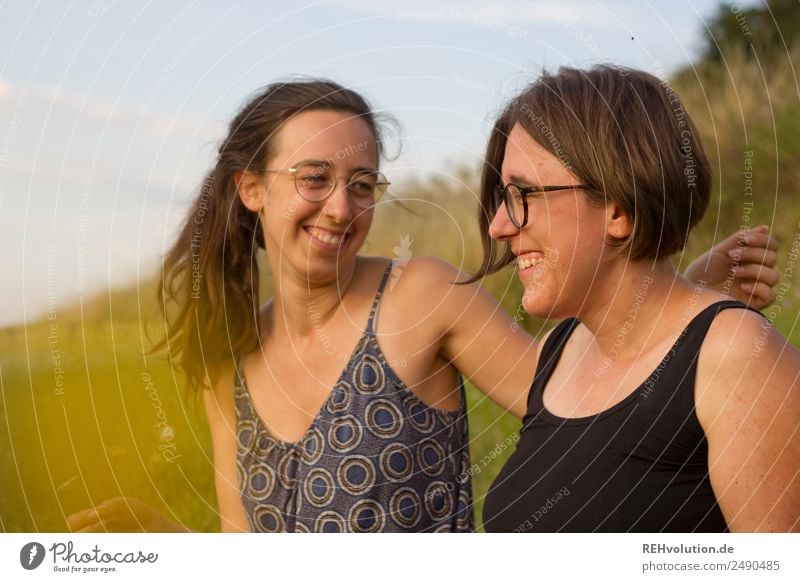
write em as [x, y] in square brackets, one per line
[516, 199]
[315, 181]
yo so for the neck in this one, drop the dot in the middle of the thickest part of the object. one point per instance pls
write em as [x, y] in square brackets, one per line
[301, 306]
[637, 295]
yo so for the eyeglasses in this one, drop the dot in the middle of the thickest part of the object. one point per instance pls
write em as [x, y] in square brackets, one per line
[516, 199]
[315, 181]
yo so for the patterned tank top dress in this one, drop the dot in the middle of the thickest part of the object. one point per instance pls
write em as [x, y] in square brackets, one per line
[375, 459]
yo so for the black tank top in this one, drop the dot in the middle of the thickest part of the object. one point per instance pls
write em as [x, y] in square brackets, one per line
[640, 466]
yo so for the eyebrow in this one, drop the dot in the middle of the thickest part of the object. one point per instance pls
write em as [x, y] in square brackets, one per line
[365, 169]
[330, 164]
[520, 181]
[317, 162]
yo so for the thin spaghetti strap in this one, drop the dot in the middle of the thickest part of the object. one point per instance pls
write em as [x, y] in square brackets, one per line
[376, 303]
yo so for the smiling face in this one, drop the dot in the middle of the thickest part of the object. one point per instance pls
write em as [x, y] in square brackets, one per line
[561, 250]
[315, 239]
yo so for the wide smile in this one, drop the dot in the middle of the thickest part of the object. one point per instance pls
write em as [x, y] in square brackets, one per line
[327, 239]
[530, 261]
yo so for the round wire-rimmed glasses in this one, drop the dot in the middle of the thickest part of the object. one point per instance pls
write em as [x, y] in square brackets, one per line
[516, 199]
[315, 181]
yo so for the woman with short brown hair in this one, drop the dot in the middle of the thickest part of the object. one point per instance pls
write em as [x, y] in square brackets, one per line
[657, 404]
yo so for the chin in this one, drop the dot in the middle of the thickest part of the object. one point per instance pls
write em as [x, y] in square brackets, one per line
[545, 306]
[536, 306]
[327, 269]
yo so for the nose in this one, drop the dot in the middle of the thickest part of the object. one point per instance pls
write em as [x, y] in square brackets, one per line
[338, 205]
[501, 226]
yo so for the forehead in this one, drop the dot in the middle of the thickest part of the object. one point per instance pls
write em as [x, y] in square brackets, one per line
[326, 135]
[525, 157]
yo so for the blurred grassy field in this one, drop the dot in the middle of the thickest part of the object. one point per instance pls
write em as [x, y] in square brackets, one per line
[86, 414]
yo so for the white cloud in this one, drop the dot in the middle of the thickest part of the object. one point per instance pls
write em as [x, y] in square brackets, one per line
[50, 100]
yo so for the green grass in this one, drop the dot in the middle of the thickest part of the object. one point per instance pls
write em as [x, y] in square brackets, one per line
[493, 436]
[67, 449]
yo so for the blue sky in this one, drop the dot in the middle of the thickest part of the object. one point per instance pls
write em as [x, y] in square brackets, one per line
[110, 110]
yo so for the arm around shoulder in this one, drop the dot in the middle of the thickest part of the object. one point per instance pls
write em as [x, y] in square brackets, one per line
[477, 335]
[748, 402]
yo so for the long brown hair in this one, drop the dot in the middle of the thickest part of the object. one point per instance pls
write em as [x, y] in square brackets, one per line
[626, 135]
[209, 289]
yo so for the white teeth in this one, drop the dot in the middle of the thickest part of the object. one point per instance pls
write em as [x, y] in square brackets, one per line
[326, 237]
[527, 263]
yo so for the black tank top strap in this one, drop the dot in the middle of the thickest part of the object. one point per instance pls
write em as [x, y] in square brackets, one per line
[375, 304]
[672, 384]
[695, 333]
[548, 358]
[688, 343]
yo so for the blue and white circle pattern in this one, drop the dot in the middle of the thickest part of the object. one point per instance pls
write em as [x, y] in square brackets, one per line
[356, 474]
[313, 446]
[384, 420]
[405, 507]
[269, 519]
[431, 457]
[246, 435]
[344, 433]
[300, 527]
[419, 415]
[330, 522]
[439, 499]
[366, 516]
[397, 462]
[261, 481]
[370, 377]
[319, 487]
[464, 510]
[340, 398]
[287, 470]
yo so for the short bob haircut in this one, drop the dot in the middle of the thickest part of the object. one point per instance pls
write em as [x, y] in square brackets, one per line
[622, 132]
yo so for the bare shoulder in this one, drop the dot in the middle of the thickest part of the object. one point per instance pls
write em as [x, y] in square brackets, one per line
[744, 358]
[433, 270]
[747, 400]
[741, 337]
[425, 282]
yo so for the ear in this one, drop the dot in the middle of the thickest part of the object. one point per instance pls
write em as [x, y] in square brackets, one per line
[619, 225]
[251, 189]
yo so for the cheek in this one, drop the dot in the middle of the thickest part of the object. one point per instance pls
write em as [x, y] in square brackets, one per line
[362, 221]
[572, 258]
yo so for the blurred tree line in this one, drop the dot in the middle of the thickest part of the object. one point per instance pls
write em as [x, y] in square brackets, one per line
[744, 95]
[765, 31]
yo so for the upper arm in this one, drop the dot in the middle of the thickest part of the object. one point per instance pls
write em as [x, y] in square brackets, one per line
[748, 402]
[477, 335]
[221, 415]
